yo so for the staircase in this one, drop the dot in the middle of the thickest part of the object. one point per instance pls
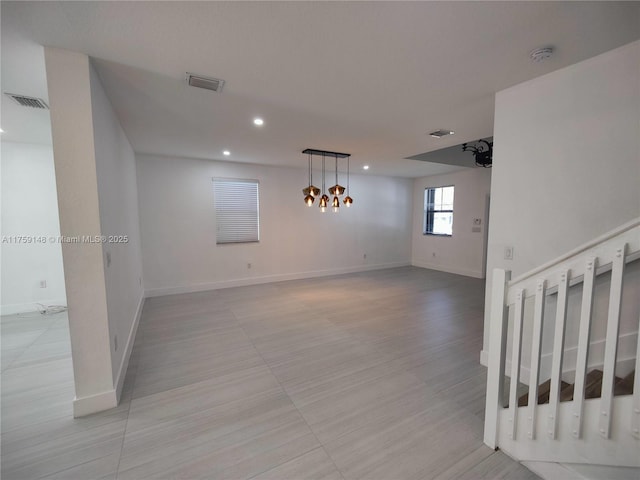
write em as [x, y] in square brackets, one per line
[583, 413]
[592, 389]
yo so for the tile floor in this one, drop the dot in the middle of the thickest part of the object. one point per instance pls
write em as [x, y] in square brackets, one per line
[364, 376]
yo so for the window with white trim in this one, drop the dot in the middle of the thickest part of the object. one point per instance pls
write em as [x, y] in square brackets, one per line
[237, 210]
[438, 211]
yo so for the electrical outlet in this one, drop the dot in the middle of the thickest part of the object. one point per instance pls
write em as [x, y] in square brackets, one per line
[508, 253]
[115, 343]
[43, 284]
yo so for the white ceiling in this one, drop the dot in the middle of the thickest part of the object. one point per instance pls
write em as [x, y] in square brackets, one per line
[367, 78]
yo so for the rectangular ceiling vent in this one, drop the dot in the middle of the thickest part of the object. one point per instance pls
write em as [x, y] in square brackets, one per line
[441, 133]
[208, 83]
[25, 101]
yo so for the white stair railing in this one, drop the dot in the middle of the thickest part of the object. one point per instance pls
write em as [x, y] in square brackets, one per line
[604, 430]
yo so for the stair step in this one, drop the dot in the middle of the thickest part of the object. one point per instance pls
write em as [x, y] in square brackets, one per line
[592, 389]
[624, 386]
[544, 390]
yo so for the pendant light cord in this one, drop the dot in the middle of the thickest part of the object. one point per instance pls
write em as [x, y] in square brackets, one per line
[323, 173]
[348, 158]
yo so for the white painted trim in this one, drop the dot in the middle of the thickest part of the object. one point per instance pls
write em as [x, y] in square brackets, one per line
[627, 345]
[122, 371]
[578, 250]
[243, 282]
[94, 403]
[624, 364]
[620, 450]
[552, 471]
[442, 268]
[15, 308]
[484, 358]
[495, 371]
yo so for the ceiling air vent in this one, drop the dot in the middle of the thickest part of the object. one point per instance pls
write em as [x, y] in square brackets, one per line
[441, 133]
[25, 101]
[208, 83]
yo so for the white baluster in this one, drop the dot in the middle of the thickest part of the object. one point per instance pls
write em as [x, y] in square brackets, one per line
[495, 364]
[558, 350]
[611, 346]
[516, 354]
[583, 346]
[538, 312]
[635, 414]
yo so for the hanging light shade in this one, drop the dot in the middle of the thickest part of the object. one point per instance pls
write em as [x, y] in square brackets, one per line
[324, 201]
[335, 204]
[337, 189]
[311, 190]
[309, 200]
[348, 200]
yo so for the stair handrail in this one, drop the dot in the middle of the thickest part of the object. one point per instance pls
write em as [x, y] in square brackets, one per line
[576, 251]
[555, 276]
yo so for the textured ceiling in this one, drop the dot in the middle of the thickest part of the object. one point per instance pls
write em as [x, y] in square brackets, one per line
[368, 78]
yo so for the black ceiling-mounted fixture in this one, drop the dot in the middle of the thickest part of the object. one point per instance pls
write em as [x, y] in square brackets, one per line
[482, 151]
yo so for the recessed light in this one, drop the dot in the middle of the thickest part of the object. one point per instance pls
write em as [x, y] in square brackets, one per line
[1, 130]
[258, 121]
[226, 153]
[366, 167]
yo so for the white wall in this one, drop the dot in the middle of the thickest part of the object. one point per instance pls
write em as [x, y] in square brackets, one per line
[74, 157]
[463, 252]
[96, 184]
[566, 165]
[118, 204]
[30, 208]
[178, 226]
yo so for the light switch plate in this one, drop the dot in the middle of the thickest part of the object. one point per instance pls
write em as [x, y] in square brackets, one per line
[508, 253]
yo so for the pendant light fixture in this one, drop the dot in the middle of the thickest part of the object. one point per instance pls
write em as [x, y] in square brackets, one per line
[337, 190]
[348, 201]
[324, 199]
[311, 192]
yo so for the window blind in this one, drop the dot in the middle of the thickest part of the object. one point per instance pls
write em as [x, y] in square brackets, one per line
[237, 210]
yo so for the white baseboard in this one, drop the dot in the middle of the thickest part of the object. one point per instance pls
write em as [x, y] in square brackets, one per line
[94, 403]
[122, 371]
[484, 358]
[15, 308]
[443, 268]
[552, 471]
[627, 344]
[243, 282]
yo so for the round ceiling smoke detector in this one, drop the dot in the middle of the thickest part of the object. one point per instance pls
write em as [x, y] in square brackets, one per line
[540, 54]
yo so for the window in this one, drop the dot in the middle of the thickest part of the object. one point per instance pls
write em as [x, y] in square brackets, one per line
[237, 212]
[438, 211]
